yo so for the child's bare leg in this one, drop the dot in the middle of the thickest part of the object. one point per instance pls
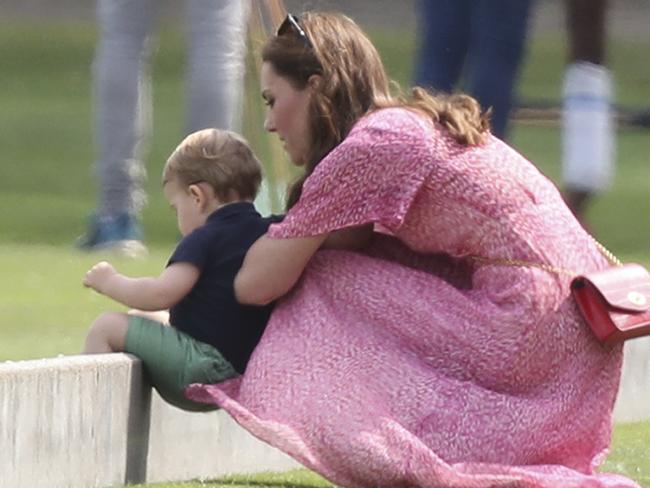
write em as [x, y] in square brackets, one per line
[161, 316]
[107, 333]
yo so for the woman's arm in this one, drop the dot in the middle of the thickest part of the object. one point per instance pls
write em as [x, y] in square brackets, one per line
[273, 266]
[147, 293]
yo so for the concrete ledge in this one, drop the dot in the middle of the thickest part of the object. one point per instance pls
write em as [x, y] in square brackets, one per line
[90, 421]
[633, 402]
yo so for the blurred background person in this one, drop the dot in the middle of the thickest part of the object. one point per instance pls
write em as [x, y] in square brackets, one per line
[476, 46]
[588, 143]
[215, 33]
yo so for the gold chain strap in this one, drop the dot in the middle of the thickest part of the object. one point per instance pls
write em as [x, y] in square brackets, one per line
[547, 267]
[607, 253]
[525, 264]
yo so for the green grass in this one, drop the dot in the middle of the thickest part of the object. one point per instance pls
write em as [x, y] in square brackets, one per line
[541, 77]
[290, 479]
[47, 188]
[631, 452]
[45, 310]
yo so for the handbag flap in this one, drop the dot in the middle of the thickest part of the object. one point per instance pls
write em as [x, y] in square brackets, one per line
[625, 287]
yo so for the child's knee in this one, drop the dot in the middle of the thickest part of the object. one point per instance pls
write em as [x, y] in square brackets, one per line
[105, 321]
[110, 328]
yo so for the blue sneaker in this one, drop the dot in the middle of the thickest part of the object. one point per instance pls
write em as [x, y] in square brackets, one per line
[121, 234]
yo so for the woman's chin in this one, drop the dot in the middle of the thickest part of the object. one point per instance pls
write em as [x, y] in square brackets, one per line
[296, 161]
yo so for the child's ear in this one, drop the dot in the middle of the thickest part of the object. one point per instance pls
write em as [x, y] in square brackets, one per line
[202, 194]
[197, 193]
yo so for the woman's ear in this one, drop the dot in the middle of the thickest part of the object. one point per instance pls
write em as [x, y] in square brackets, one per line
[314, 82]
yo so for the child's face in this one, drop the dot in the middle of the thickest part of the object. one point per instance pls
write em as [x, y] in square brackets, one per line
[187, 205]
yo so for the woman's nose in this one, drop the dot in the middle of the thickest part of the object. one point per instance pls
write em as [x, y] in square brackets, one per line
[269, 124]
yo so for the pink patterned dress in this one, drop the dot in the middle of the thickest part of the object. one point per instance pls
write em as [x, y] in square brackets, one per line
[414, 363]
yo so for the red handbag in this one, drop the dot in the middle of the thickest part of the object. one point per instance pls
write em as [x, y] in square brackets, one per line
[615, 302]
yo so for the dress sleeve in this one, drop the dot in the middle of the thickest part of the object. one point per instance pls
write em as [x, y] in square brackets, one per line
[373, 176]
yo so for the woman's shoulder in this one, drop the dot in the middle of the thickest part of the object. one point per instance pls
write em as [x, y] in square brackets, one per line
[396, 118]
[393, 124]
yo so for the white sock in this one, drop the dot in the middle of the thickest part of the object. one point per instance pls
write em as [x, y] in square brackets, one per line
[588, 143]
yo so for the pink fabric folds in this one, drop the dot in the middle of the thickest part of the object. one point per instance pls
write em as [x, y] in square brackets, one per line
[413, 364]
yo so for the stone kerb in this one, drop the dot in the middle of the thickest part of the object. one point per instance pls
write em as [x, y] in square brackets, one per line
[633, 402]
[90, 421]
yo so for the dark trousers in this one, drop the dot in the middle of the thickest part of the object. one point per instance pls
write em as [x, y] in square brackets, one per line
[475, 46]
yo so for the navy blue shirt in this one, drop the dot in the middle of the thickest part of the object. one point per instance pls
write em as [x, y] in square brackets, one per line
[209, 312]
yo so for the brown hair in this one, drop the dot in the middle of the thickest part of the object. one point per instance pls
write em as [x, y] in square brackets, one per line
[220, 158]
[354, 82]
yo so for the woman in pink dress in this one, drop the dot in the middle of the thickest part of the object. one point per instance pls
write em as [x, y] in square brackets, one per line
[424, 333]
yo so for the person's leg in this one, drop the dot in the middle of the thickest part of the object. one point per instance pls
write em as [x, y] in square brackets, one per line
[588, 139]
[216, 36]
[497, 43]
[121, 118]
[107, 333]
[586, 25]
[443, 37]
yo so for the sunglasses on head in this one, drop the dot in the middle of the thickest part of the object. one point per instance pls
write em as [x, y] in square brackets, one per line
[290, 25]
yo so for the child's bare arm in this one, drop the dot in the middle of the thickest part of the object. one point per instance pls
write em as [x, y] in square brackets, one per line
[146, 293]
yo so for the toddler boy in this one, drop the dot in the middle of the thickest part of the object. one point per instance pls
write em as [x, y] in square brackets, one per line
[210, 181]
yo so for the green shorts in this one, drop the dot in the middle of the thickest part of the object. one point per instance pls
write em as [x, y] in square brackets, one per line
[173, 360]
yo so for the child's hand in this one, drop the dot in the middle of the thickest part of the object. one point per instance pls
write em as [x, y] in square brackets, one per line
[99, 275]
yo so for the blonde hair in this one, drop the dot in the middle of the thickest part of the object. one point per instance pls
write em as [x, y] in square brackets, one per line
[354, 82]
[221, 158]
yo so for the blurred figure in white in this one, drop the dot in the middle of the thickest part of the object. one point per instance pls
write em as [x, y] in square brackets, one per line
[588, 132]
